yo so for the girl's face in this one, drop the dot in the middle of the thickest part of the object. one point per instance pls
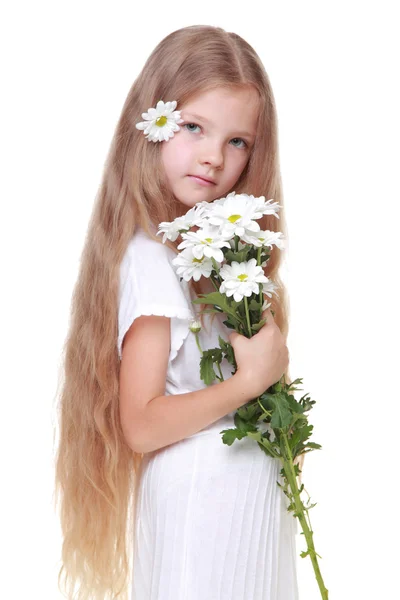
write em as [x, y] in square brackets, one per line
[214, 142]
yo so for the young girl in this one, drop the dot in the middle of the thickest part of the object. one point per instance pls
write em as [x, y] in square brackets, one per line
[141, 465]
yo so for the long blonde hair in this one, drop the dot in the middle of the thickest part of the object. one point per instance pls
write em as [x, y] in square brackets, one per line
[96, 472]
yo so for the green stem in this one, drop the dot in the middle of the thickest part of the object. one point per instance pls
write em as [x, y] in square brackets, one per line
[236, 243]
[247, 315]
[216, 268]
[259, 264]
[220, 372]
[198, 343]
[257, 436]
[290, 473]
[214, 284]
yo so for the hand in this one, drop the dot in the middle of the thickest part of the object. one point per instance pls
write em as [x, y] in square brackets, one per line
[262, 359]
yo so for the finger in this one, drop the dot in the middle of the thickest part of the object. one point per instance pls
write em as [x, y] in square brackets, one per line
[267, 314]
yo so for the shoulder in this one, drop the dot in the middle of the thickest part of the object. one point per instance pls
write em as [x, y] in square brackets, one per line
[147, 266]
[149, 285]
[147, 252]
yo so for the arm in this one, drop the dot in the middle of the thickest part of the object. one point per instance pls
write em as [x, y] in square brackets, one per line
[150, 419]
[168, 419]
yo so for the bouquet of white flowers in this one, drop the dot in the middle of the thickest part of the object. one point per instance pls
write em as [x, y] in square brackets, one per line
[229, 248]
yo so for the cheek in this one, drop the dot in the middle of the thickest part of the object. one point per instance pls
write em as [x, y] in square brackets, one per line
[239, 166]
[174, 154]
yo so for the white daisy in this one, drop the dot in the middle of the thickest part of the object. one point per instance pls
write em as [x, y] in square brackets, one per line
[242, 279]
[160, 122]
[234, 215]
[206, 241]
[269, 288]
[191, 267]
[265, 238]
[172, 229]
[256, 203]
[264, 207]
[209, 205]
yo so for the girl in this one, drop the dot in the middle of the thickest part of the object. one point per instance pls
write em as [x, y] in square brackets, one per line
[141, 464]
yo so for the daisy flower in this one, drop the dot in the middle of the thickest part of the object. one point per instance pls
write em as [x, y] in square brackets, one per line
[269, 288]
[235, 215]
[188, 266]
[264, 207]
[205, 242]
[172, 229]
[265, 238]
[242, 279]
[160, 122]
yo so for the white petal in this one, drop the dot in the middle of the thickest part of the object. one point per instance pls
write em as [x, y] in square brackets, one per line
[198, 251]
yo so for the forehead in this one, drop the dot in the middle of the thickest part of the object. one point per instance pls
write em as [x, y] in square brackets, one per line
[232, 109]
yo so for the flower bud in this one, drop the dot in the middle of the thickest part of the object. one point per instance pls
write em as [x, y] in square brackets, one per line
[195, 326]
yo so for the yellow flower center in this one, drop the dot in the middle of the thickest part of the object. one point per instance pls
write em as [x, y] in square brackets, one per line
[242, 277]
[209, 240]
[198, 260]
[234, 218]
[161, 121]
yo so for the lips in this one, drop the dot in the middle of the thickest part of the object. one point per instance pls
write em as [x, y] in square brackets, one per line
[203, 178]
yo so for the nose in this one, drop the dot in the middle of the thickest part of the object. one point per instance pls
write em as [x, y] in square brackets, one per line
[212, 155]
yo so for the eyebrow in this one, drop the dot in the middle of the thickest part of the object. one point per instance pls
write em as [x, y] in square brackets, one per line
[205, 120]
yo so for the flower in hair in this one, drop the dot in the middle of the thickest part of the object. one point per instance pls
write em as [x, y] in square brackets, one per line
[160, 122]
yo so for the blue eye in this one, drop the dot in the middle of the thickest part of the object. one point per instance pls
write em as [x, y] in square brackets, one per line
[187, 126]
[240, 139]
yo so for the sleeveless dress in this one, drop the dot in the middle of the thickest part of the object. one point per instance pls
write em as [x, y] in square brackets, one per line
[211, 522]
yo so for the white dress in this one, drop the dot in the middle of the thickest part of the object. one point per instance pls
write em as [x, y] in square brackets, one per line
[211, 521]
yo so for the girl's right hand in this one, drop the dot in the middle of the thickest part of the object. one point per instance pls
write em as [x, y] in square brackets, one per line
[262, 359]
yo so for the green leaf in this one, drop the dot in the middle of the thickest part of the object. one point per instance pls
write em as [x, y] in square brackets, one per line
[266, 450]
[265, 256]
[209, 357]
[313, 445]
[298, 380]
[268, 447]
[296, 469]
[243, 425]
[258, 326]
[241, 310]
[255, 305]
[223, 344]
[219, 300]
[228, 351]
[248, 413]
[239, 256]
[230, 435]
[294, 405]
[299, 435]
[207, 373]
[278, 404]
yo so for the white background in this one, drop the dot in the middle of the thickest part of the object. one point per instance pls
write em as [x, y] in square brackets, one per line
[66, 70]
